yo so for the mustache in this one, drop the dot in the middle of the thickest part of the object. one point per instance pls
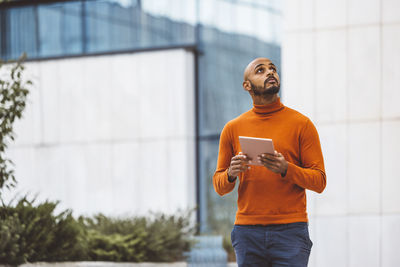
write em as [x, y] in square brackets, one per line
[270, 78]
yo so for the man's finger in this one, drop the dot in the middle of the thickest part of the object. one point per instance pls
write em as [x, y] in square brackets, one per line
[269, 156]
[271, 164]
[241, 157]
[239, 168]
[241, 154]
[235, 168]
[239, 162]
[267, 160]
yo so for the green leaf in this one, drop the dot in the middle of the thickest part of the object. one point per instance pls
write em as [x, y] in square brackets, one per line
[13, 96]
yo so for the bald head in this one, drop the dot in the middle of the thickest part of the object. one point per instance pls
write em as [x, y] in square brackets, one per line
[261, 79]
[254, 64]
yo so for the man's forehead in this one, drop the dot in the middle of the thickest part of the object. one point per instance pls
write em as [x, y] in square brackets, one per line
[261, 61]
[254, 64]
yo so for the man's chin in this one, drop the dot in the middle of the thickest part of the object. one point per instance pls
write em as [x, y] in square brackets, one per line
[272, 90]
[265, 91]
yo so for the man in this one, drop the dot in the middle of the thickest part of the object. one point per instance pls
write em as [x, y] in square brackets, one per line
[271, 226]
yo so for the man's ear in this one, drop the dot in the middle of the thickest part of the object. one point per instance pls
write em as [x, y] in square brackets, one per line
[247, 86]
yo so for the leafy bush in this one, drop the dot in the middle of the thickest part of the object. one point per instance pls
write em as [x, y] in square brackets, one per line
[10, 231]
[111, 239]
[31, 233]
[34, 233]
[165, 241]
[159, 239]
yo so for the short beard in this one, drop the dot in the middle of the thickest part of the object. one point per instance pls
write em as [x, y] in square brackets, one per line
[263, 91]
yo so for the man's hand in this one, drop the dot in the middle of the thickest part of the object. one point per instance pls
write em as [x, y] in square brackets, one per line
[274, 162]
[239, 163]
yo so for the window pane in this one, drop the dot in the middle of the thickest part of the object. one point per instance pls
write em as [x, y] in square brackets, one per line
[21, 32]
[111, 25]
[60, 29]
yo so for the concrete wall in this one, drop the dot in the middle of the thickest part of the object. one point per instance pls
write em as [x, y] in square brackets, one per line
[111, 134]
[341, 67]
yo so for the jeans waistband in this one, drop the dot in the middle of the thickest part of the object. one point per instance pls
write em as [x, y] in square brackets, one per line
[273, 226]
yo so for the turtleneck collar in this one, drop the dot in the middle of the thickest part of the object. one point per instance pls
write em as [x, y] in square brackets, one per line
[269, 108]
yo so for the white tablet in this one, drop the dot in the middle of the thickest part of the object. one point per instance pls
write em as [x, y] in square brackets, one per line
[253, 147]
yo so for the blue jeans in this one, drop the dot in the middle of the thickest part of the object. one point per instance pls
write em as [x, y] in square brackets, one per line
[272, 245]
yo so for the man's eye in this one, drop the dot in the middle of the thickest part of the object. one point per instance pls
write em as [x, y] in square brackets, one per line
[260, 70]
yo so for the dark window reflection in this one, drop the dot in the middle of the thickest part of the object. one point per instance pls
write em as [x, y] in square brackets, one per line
[85, 27]
[60, 29]
[20, 31]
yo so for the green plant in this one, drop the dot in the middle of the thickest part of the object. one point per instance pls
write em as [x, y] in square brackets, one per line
[161, 238]
[112, 239]
[10, 232]
[13, 94]
[169, 238]
[116, 247]
[34, 233]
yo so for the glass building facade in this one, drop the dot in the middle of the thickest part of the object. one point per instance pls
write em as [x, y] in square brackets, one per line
[225, 35]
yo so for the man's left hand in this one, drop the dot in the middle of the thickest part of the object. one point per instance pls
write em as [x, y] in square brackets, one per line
[274, 162]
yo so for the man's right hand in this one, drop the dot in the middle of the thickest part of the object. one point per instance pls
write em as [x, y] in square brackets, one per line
[239, 163]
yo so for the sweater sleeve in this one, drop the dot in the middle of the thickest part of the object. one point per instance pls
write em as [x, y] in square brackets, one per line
[220, 179]
[311, 174]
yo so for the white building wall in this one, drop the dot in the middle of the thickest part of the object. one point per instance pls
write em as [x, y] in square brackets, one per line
[111, 134]
[341, 67]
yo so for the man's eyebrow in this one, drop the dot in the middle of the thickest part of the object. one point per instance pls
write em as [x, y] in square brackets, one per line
[262, 64]
[258, 65]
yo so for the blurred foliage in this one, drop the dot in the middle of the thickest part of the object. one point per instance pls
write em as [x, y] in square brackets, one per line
[13, 94]
[32, 233]
[160, 238]
[10, 230]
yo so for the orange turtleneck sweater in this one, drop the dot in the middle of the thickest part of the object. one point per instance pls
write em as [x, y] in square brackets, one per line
[265, 197]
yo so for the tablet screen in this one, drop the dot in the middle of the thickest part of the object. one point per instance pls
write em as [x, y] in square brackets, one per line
[253, 147]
